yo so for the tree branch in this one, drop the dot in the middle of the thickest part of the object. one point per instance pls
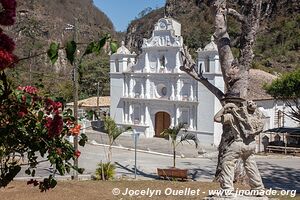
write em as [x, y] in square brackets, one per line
[188, 66]
[236, 15]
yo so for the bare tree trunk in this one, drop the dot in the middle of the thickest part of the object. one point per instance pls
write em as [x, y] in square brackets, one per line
[235, 70]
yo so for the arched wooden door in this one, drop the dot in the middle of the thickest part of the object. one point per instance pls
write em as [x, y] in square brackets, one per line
[162, 122]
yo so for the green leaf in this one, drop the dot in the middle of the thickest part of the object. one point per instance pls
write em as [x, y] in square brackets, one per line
[100, 44]
[113, 46]
[33, 173]
[53, 183]
[27, 171]
[83, 140]
[70, 51]
[53, 52]
[40, 115]
[67, 168]
[28, 99]
[80, 170]
[90, 48]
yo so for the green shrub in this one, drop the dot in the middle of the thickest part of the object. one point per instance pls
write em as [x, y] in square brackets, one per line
[105, 171]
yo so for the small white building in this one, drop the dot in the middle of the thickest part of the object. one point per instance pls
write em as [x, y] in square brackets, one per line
[150, 93]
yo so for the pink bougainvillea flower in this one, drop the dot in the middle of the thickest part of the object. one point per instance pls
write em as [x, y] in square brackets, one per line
[54, 126]
[8, 14]
[30, 89]
[22, 112]
[52, 106]
[6, 43]
[6, 59]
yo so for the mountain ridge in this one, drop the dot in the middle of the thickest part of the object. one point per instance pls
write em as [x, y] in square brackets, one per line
[277, 47]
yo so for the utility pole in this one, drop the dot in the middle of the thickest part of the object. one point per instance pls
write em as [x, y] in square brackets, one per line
[75, 94]
[98, 94]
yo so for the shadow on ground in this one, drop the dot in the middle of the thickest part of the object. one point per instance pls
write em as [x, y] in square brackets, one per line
[277, 177]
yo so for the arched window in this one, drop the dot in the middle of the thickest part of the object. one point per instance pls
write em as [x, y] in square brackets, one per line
[117, 66]
[162, 61]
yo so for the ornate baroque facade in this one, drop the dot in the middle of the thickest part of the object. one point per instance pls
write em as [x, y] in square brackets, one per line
[150, 92]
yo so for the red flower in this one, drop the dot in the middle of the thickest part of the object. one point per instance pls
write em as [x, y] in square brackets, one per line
[23, 111]
[59, 151]
[76, 130]
[52, 106]
[6, 43]
[54, 126]
[29, 89]
[77, 153]
[6, 59]
[7, 16]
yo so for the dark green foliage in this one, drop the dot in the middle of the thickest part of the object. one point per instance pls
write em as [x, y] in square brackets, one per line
[53, 52]
[71, 47]
[287, 88]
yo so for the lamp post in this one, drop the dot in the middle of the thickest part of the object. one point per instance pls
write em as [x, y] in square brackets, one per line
[75, 94]
[98, 96]
[135, 138]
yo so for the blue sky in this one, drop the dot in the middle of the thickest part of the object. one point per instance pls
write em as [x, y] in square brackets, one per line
[121, 12]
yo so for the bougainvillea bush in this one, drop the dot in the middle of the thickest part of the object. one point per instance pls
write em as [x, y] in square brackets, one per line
[33, 128]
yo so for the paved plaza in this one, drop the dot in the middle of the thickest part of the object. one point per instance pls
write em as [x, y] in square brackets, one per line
[278, 171]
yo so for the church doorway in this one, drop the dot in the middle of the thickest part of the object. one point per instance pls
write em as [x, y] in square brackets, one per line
[162, 122]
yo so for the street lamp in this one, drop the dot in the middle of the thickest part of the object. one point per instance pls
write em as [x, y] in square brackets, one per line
[75, 94]
[135, 136]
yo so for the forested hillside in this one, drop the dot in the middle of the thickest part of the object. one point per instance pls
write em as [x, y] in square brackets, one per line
[278, 43]
[41, 22]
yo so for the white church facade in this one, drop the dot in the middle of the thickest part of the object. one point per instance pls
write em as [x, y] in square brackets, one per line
[150, 93]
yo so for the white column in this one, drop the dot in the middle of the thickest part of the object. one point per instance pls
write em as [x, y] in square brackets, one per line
[147, 64]
[195, 117]
[172, 91]
[147, 91]
[177, 115]
[191, 115]
[146, 114]
[124, 65]
[178, 89]
[125, 87]
[174, 116]
[126, 112]
[130, 113]
[142, 113]
[177, 62]
[192, 92]
[130, 93]
[142, 88]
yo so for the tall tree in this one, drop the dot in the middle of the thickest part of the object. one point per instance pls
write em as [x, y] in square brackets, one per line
[235, 70]
[287, 89]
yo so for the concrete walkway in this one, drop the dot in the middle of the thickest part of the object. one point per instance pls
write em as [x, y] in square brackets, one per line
[161, 145]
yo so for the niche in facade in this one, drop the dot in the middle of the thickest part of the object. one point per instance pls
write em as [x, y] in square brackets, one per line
[161, 90]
